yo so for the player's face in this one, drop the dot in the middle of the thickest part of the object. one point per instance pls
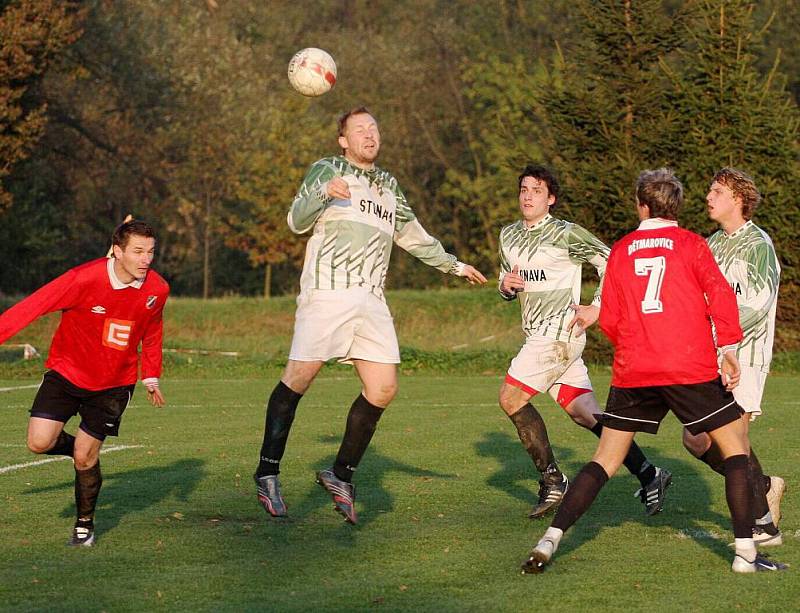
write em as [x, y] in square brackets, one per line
[723, 205]
[134, 261]
[362, 140]
[534, 200]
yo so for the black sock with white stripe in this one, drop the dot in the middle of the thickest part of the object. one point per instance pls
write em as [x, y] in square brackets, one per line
[580, 495]
[281, 409]
[635, 461]
[362, 420]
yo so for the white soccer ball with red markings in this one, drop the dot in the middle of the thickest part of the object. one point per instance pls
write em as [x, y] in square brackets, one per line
[312, 72]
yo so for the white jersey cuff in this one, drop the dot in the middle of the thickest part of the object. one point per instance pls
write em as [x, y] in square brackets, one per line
[150, 382]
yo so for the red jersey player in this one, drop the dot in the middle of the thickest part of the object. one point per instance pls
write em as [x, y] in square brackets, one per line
[662, 289]
[108, 307]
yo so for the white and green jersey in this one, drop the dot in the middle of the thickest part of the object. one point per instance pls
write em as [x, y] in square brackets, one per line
[352, 239]
[748, 261]
[549, 256]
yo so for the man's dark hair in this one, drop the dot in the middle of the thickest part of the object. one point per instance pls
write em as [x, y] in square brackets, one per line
[543, 174]
[136, 227]
[359, 110]
[661, 191]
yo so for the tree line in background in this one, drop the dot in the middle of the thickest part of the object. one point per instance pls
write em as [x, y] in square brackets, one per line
[180, 112]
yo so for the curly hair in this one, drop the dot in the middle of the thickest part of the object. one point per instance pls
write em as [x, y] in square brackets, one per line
[742, 186]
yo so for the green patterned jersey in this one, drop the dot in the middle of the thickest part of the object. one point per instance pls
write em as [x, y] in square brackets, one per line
[549, 256]
[748, 261]
[352, 239]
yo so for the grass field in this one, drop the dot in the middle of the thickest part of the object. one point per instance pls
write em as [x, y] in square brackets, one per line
[443, 496]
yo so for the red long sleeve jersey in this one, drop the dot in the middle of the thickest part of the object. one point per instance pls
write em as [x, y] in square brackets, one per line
[96, 343]
[662, 287]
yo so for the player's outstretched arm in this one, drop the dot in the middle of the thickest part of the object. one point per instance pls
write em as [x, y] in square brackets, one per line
[320, 186]
[470, 273]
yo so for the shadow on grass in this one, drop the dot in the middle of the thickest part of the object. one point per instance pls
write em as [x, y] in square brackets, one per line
[372, 495]
[132, 491]
[687, 501]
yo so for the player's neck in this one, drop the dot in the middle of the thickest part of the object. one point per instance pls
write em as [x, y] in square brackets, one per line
[729, 226]
[123, 275]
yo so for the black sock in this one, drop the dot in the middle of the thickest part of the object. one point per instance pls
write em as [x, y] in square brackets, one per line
[580, 495]
[361, 423]
[739, 494]
[280, 415]
[635, 461]
[759, 504]
[533, 435]
[64, 445]
[713, 458]
[87, 488]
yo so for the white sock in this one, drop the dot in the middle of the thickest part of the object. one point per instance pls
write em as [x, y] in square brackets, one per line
[554, 535]
[745, 548]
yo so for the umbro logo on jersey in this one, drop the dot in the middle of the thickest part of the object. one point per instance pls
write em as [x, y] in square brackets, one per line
[151, 302]
[100, 310]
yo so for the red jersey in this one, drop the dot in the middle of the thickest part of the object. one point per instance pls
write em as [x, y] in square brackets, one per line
[662, 288]
[96, 345]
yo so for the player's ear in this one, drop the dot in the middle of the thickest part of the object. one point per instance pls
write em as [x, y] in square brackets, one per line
[117, 251]
[343, 142]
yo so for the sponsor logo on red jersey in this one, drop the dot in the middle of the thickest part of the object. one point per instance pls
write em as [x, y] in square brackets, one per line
[117, 333]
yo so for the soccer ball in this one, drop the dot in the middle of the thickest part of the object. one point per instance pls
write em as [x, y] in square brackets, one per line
[312, 71]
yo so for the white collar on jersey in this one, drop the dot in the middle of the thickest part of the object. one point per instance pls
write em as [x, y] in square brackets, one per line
[736, 232]
[542, 221]
[656, 223]
[115, 282]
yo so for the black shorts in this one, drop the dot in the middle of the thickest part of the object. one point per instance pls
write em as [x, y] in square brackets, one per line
[100, 411]
[700, 407]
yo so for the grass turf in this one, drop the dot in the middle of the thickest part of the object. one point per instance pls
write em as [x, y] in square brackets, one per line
[443, 496]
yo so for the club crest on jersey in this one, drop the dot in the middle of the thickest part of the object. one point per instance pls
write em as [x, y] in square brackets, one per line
[151, 302]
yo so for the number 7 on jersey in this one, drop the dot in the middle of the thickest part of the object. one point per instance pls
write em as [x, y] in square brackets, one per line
[654, 269]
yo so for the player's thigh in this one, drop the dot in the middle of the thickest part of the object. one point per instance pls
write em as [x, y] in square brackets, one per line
[56, 401]
[298, 376]
[731, 439]
[375, 339]
[573, 392]
[541, 362]
[750, 390]
[379, 381]
[325, 324]
[101, 412]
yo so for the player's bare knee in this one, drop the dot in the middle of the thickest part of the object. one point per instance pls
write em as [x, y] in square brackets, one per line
[382, 395]
[85, 460]
[39, 444]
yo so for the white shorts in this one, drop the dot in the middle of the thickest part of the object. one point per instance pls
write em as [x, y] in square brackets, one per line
[750, 390]
[545, 365]
[346, 324]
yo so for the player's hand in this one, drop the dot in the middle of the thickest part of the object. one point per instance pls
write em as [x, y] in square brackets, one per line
[155, 397]
[337, 188]
[585, 316]
[473, 275]
[512, 282]
[731, 371]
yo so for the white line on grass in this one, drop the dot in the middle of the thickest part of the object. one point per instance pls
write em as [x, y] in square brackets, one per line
[19, 387]
[13, 467]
